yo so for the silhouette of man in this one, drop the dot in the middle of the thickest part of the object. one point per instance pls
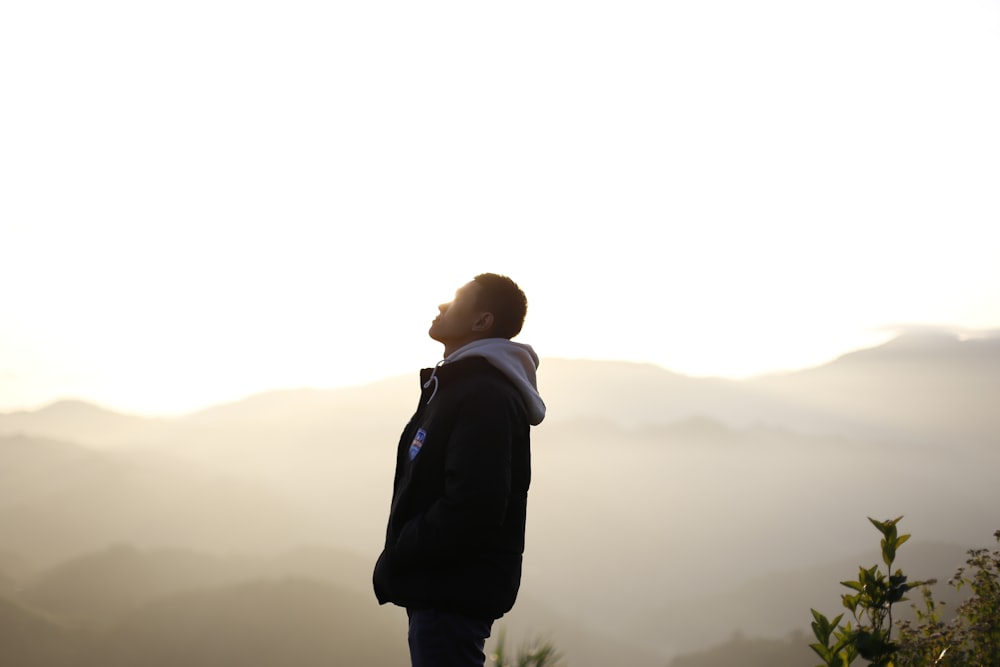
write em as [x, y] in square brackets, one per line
[455, 535]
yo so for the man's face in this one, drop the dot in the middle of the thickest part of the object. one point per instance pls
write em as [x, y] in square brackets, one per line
[458, 322]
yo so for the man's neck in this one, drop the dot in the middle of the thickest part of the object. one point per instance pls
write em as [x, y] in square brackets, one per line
[451, 348]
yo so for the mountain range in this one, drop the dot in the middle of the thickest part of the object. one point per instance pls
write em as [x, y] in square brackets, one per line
[660, 503]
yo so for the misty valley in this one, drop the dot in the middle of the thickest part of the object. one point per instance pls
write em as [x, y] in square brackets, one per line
[669, 516]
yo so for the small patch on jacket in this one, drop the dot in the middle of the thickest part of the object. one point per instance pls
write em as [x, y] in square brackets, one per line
[418, 442]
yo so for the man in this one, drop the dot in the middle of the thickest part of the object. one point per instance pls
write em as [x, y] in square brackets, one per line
[455, 537]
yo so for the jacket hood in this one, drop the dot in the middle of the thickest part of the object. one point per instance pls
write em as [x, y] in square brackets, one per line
[517, 361]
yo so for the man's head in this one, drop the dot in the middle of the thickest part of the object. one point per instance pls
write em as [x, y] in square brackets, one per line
[490, 306]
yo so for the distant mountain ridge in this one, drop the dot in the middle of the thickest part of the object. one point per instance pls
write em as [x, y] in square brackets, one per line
[294, 622]
[649, 488]
[109, 584]
[59, 498]
[68, 419]
[923, 385]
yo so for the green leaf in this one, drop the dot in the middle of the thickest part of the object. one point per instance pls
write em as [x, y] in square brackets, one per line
[869, 578]
[822, 651]
[888, 552]
[820, 618]
[823, 628]
[887, 527]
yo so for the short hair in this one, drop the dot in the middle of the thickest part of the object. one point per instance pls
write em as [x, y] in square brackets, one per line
[501, 296]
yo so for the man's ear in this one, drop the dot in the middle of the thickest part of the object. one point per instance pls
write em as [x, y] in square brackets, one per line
[483, 323]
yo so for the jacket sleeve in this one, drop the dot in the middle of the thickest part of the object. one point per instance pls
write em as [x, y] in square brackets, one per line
[477, 483]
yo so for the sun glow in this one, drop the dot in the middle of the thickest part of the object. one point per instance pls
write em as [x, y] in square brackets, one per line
[283, 202]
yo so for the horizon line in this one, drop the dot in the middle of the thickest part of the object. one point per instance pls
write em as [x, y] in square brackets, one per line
[960, 334]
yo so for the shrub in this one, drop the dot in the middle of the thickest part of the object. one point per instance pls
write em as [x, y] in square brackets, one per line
[875, 592]
[971, 638]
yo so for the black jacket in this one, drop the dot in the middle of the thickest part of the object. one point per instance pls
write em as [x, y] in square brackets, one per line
[456, 525]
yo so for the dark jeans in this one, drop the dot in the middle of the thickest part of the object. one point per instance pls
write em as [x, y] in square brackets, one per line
[445, 639]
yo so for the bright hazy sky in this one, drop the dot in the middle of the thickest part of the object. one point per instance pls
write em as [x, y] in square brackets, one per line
[202, 200]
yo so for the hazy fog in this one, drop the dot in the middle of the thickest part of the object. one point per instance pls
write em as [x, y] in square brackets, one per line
[660, 506]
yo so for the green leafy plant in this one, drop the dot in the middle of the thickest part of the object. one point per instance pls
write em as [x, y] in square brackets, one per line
[972, 637]
[839, 653]
[874, 594]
